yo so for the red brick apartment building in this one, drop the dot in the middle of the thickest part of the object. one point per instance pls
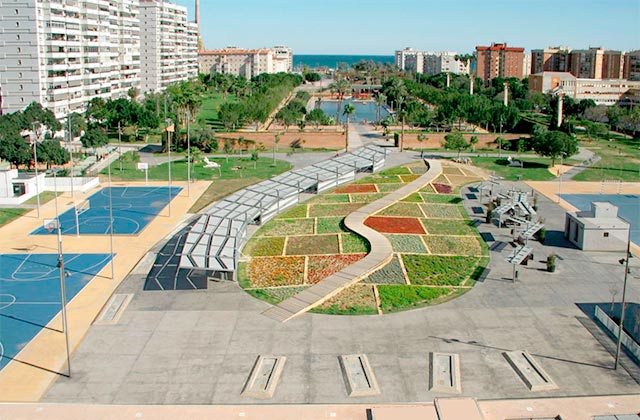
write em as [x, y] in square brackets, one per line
[499, 60]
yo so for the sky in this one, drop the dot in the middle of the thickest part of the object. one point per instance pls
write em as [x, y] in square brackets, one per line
[381, 27]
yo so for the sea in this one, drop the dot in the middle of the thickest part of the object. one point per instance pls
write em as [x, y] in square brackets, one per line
[332, 61]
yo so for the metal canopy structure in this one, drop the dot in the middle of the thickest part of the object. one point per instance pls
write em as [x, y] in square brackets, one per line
[519, 255]
[215, 240]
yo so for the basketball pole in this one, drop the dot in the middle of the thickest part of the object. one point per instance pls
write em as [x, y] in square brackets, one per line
[111, 223]
[169, 130]
[70, 152]
[63, 293]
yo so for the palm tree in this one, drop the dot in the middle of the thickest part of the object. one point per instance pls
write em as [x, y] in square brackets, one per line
[340, 87]
[276, 140]
[381, 99]
[349, 109]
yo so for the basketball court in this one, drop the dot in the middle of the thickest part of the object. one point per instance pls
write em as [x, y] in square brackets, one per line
[133, 208]
[30, 294]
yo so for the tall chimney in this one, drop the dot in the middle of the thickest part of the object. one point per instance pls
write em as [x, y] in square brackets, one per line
[560, 106]
[198, 15]
[506, 94]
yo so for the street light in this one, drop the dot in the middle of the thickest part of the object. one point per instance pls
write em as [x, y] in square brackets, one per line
[111, 221]
[70, 151]
[35, 165]
[61, 270]
[188, 155]
[624, 261]
[170, 128]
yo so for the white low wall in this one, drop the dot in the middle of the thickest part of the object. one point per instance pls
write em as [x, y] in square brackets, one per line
[627, 341]
[83, 184]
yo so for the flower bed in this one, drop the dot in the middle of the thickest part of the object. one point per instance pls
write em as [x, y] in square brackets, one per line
[389, 187]
[442, 211]
[276, 271]
[262, 247]
[358, 299]
[441, 198]
[413, 198]
[352, 243]
[461, 179]
[310, 245]
[331, 198]
[395, 298]
[409, 178]
[380, 179]
[441, 179]
[395, 225]
[407, 243]
[286, 227]
[419, 170]
[446, 227]
[443, 188]
[326, 210]
[330, 225]
[428, 189]
[453, 245]
[294, 213]
[439, 270]
[322, 266]
[276, 295]
[402, 209]
[366, 198]
[356, 188]
[391, 273]
[451, 170]
[398, 170]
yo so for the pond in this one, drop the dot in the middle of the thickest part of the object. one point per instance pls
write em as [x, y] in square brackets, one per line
[365, 110]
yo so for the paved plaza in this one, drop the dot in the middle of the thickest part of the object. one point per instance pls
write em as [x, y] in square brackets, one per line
[198, 346]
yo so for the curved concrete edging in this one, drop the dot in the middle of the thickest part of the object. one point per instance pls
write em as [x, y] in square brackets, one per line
[380, 254]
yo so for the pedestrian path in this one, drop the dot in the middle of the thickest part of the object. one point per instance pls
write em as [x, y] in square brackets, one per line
[381, 253]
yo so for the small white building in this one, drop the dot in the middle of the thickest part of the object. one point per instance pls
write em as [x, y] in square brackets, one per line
[599, 229]
[16, 188]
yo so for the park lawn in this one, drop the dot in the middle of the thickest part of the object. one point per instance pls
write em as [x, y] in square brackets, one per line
[211, 106]
[233, 168]
[9, 214]
[619, 159]
[535, 168]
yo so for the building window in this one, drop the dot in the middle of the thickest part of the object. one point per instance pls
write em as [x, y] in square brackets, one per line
[17, 24]
[16, 11]
[18, 37]
[19, 49]
[606, 234]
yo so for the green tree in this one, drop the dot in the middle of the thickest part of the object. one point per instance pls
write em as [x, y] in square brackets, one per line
[95, 136]
[472, 142]
[555, 144]
[349, 110]
[317, 116]
[340, 87]
[51, 153]
[14, 149]
[421, 139]
[381, 99]
[78, 124]
[231, 115]
[455, 141]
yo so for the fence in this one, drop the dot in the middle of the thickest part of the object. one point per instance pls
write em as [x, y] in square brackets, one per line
[82, 184]
[610, 325]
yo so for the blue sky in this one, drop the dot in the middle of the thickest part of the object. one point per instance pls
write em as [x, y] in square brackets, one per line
[380, 27]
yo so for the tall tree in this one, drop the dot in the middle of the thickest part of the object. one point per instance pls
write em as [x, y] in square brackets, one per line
[455, 141]
[50, 152]
[555, 144]
[340, 87]
[14, 149]
[349, 110]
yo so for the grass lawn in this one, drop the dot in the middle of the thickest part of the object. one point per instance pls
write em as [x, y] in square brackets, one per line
[620, 159]
[226, 182]
[535, 168]
[9, 214]
[211, 106]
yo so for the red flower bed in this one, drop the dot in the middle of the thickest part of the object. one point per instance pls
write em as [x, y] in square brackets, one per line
[443, 188]
[321, 266]
[395, 225]
[356, 188]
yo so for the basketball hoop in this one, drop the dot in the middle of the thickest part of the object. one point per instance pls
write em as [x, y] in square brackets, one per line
[83, 207]
[50, 225]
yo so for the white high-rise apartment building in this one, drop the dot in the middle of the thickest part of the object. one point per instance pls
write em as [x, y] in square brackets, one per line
[63, 53]
[430, 63]
[168, 45]
[246, 63]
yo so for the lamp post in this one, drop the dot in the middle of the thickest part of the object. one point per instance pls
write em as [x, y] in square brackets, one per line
[188, 156]
[120, 145]
[169, 129]
[111, 222]
[69, 137]
[35, 165]
[61, 270]
[624, 261]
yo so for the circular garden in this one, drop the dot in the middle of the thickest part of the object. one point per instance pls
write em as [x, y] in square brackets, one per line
[438, 253]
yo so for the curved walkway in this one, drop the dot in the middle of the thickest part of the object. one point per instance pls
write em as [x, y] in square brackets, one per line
[381, 253]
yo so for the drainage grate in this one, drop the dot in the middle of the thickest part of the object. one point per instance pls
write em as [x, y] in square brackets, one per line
[358, 376]
[530, 371]
[264, 377]
[114, 309]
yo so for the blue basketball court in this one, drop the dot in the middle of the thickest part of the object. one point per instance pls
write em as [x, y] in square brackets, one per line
[628, 207]
[133, 209]
[30, 294]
